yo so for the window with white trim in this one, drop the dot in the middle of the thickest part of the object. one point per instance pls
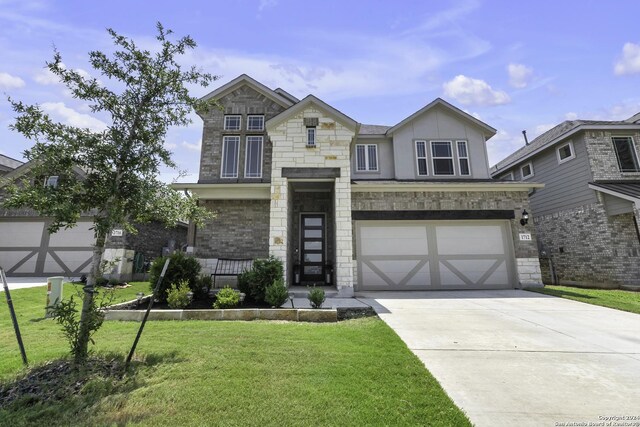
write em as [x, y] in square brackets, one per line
[421, 158]
[366, 157]
[626, 153]
[51, 181]
[230, 150]
[253, 157]
[311, 136]
[526, 170]
[463, 158]
[507, 177]
[565, 152]
[442, 158]
[255, 123]
[233, 122]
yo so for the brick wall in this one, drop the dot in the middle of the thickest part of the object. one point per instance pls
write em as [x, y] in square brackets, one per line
[602, 155]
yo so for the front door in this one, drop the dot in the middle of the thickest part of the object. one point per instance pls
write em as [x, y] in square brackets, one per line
[312, 234]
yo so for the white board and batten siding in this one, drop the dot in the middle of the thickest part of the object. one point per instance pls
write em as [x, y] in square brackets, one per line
[432, 255]
[27, 249]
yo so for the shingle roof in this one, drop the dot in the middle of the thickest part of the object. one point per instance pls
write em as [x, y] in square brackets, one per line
[9, 163]
[628, 188]
[552, 135]
[373, 129]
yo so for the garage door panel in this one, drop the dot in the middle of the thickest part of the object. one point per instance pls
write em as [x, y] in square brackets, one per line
[394, 241]
[21, 234]
[9, 259]
[474, 270]
[80, 235]
[470, 240]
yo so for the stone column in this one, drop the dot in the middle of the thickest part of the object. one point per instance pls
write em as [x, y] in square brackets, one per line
[344, 242]
[278, 219]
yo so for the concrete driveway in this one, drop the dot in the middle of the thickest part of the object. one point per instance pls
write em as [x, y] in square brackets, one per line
[519, 358]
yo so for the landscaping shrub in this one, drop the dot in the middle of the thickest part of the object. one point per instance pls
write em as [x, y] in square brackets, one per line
[177, 297]
[203, 284]
[244, 282]
[227, 298]
[276, 294]
[316, 297]
[181, 267]
[263, 273]
[102, 281]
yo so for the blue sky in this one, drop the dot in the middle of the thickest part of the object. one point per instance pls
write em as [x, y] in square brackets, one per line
[514, 65]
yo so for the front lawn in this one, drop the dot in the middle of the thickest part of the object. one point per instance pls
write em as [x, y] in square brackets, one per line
[356, 372]
[612, 298]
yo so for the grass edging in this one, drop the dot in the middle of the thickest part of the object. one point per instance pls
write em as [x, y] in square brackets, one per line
[290, 314]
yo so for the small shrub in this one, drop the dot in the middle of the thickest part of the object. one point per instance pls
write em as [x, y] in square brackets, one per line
[114, 282]
[102, 281]
[263, 273]
[316, 297]
[181, 267]
[276, 294]
[227, 298]
[203, 284]
[177, 297]
[244, 282]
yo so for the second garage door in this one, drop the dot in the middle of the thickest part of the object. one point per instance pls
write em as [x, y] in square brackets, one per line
[423, 255]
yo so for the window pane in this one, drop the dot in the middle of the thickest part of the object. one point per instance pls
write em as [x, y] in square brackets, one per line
[312, 257]
[526, 170]
[565, 152]
[230, 145]
[373, 157]
[464, 166]
[312, 270]
[313, 222]
[255, 123]
[360, 160]
[421, 149]
[253, 163]
[311, 136]
[443, 166]
[422, 166]
[625, 151]
[314, 234]
[232, 122]
[313, 245]
[441, 149]
[421, 156]
[462, 149]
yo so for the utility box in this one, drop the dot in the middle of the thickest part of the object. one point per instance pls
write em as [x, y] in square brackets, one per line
[54, 293]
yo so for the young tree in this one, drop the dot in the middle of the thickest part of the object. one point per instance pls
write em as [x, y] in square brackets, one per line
[111, 175]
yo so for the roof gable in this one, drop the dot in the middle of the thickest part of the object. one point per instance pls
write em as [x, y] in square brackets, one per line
[439, 102]
[246, 80]
[312, 100]
[26, 167]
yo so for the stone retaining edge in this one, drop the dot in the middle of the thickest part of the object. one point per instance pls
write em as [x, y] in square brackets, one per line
[290, 314]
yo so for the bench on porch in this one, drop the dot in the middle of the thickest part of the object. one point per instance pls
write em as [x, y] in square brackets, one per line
[230, 267]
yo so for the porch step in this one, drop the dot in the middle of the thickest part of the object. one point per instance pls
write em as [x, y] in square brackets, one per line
[303, 291]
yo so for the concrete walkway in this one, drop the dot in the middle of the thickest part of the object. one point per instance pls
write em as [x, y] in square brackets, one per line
[519, 358]
[23, 282]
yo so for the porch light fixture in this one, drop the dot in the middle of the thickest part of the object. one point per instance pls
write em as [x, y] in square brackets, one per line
[525, 217]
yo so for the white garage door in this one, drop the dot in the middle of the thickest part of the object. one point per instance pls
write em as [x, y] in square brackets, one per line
[423, 255]
[27, 249]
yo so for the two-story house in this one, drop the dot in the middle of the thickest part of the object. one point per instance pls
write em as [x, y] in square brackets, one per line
[587, 214]
[355, 206]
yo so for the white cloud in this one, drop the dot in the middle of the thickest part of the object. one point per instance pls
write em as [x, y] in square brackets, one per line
[542, 128]
[46, 78]
[73, 118]
[170, 145]
[630, 61]
[192, 147]
[7, 81]
[469, 91]
[571, 116]
[266, 4]
[502, 145]
[519, 75]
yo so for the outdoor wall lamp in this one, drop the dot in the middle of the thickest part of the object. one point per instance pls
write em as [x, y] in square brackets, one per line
[525, 217]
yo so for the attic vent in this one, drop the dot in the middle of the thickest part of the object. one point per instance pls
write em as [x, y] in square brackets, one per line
[311, 121]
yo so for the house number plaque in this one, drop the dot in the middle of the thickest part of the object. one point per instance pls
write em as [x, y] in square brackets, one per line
[525, 236]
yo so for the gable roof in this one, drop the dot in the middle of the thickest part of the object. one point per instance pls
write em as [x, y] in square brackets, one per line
[555, 135]
[373, 130]
[489, 131]
[286, 94]
[7, 163]
[312, 100]
[26, 167]
[244, 79]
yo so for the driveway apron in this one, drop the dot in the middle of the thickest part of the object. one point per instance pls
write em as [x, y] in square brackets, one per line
[519, 358]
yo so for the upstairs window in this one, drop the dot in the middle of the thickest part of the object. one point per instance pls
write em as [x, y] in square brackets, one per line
[311, 136]
[253, 157]
[232, 122]
[51, 181]
[230, 149]
[255, 123]
[442, 158]
[421, 157]
[626, 153]
[507, 177]
[565, 152]
[463, 158]
[366, 157]
[527, 171]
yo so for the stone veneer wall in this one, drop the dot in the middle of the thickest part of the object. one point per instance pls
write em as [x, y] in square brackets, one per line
[240, 230]
[602, 155]
[526, 252]
[589, 248]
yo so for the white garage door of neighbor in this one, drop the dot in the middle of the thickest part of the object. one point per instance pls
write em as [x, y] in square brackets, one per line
[425, 255]
[27, 249]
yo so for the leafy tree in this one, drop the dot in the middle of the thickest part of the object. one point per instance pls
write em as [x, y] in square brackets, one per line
[112, 174]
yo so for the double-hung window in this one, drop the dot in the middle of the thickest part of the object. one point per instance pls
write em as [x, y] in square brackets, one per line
[311, 136]
[463, 158]
[253, 157]
[366, 157]
[255, 123]
[232, 122]
[230, 150]
[626, 153]
[442, 157]
[421, 158]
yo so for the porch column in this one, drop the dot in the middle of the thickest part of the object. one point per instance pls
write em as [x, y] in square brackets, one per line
[344, 241]
[278, 219]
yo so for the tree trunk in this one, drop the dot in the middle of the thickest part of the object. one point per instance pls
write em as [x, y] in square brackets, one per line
[82, 345]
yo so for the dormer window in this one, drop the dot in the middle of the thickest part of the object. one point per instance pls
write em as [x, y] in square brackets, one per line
[626, 153]
[311, 136]
[255, 123]
[51, 181]
[232, 122]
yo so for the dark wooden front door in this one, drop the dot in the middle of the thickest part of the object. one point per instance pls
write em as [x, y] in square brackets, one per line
[312, 234]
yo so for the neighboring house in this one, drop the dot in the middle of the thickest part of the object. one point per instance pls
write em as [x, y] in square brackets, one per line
[358, 207]
[588, 212]
[27, 249]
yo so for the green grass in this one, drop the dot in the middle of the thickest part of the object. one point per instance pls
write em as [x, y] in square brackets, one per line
[612, 298]
[259, 373]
